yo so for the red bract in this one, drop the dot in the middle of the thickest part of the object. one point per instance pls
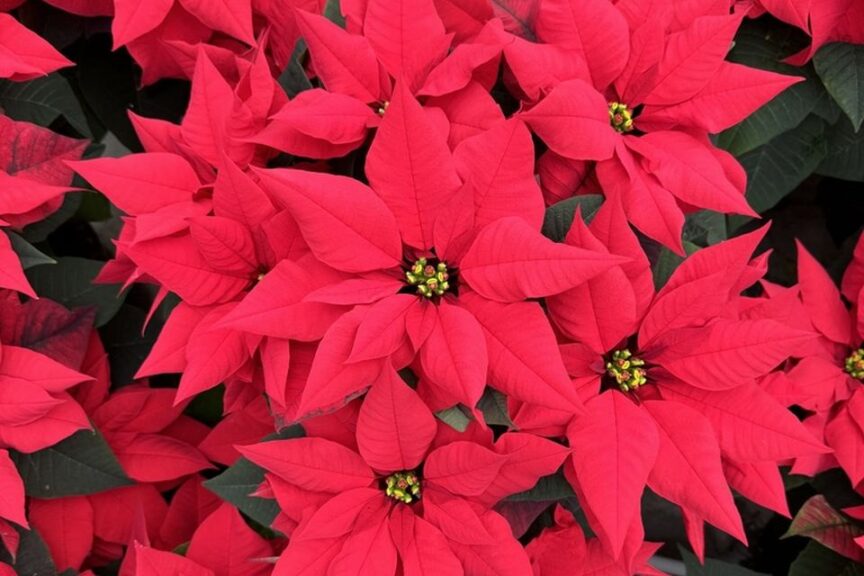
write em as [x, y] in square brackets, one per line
[403, 493]
[453, 306]
[33, 179]
[23, 54]
[674, 404]
[41, 348]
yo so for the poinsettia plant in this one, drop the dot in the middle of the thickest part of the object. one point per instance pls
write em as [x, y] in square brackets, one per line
[431, 287]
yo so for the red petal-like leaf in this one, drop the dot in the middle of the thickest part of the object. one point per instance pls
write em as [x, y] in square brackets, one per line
[225, 544]
[11, 491]
[463, 468]
[66, 526]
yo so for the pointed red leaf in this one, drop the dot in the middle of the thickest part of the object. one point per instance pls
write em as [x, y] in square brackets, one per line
[11, 274]
[750, 424]
[422, 548]
[211, 105]
[11, 491]
[368, 551]
[22, 402]
[225, 244]
[134, 18]
[463, 468]
[345, 224]
[234, 17]
[21, 195]
[156, 458]
[312, 463]
[395, 428]
[822, 299]
[236, 196]
[529, 458]
[345, 62]
[225, 544]
[524, 361]
[454, 356]
[141, 183]
[411, 168]
[23, 54]
[615, 444]
[688, 470]
[593, 29]
[573, 120]
[382, 332]
[152, 562]
[66, 526]
[818, 520]
[759, 482]
[732, 352]
[498, 165]
[24, 365]
[509, 261]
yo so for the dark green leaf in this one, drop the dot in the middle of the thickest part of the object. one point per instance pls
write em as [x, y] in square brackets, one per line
[454, 417]
[777, 168]
[69, 282]
[559, 217]
[79, 465]
[841, 67]
[493, 404]
[127, 347]
[761, 45]
[705, 228]
[29, 255]
[667, 262]
[548, 488]
[33, 558]
[713, 567]
[333, 12]
[817, 560]
[845, 159]
[243, 478]
[39, 231]
[42, 101]
[293, 79]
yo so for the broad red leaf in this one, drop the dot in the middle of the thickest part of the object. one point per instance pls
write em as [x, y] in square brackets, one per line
[141, 183]
[23, 54]
[845, 434]
[345, 62]
[411, 168]
[408, 37]
[615, 444]
[463, 468]
[21, 195]
[152, 562]
[156, 458]
[504, 556]
[58, 424]
[422, 548]
[692, 57]
[454, 356]
[524, 361]
[574, 108]
[312, 463]
[66, 526]
[529, 458]
[732, 352]
[593, 29]
[24, 365]
[395, 428]
[133, 18]
[12, 492]
[234, 17]
[750, 424]
[498, 165]
[23, 402]
[345, 224]
[11, 274]
[35, 153]
[759, 482]
[818, 520]
[236, 196]
[382, 331]
[822, 299]
[368, 551]
[509, 261]
[688, 470]
[225, 544]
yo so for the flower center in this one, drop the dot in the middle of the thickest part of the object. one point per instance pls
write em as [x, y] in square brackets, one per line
[627, 370]
[403, 486]
[382, 108]
[855, 364]
[620, 117]
[430, 278]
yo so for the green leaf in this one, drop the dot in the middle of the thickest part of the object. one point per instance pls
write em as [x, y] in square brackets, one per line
[39, 231]
[29, 255]
[493, 404]
[705, 228]
[293, 79]
[42, 101]
[777, 168]
[845, 159]
[817, 560]
[761, 45]
[70, 282]
[559, 216]
[333, 12]
[667, 261]
[79, 465]
[127, 347]
[547, 489]
[454, 417]
[712, 567]
[243, 478]
[33, 558]
[841, 67]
